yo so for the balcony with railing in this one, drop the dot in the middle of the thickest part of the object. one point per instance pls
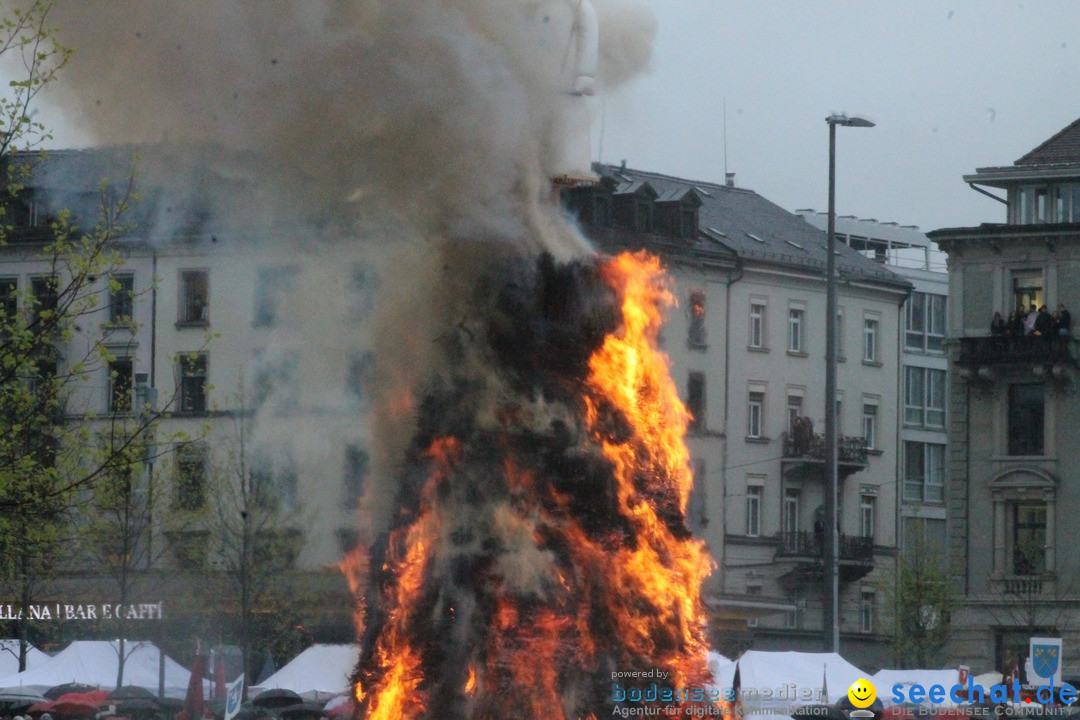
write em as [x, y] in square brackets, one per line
[806, 445]
[1031, 349]
[807, 550]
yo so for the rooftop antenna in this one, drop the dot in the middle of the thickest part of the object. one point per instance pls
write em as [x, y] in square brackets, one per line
[725, 136]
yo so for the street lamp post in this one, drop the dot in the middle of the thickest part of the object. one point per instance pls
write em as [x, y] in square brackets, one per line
[832, 544]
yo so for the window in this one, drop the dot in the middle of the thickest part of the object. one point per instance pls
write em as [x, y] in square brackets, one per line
[867, 515]
[45, 292]
[870, 340]
[121, 298]
[363, 284]
[193, 383]
[923, 536]
[194, 296]
[924, 472]
[753, 589]
[695, 402]
[869, 424]
[120, 385]
[924, 397]
[791, 510]
[924, 322]
[190, 490]
[277, 380]
[1029, 538]
[272, 286]
[356, 470]
[795, 330]
[1027, 289]
[794, 412]
[866, 611]
[697, 509]
[755, 412]
[1026, 419]
[791, 619]
[753, 510]
[9, 298]
[757, 325]
[286, 482]
[696, 337]
[361, 376]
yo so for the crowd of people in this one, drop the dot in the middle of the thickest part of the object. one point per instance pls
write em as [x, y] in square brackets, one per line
[1035, 322]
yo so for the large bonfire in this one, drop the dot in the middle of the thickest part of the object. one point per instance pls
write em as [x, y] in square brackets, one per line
[540, 549]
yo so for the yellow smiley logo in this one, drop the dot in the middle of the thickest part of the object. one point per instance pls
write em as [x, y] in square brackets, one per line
[862, 693]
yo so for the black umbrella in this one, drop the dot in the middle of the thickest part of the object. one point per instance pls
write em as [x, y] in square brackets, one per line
[131, 692]
[303, 709]
[71, 687]
[18, 698]
[276, 698]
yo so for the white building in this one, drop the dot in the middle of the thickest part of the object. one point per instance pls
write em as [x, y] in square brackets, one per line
[748, 346]
[923, 437]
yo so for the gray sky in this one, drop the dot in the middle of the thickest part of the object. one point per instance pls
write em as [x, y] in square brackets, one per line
[952, 86]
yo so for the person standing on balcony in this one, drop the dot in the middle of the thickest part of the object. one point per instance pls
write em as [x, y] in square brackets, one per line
[1029, 320]
[1044, 325]
[997, 325]
[1064, 323]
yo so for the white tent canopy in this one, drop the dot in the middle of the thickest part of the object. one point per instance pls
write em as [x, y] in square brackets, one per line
[884, 680]
[319, 670]
[95, 662]
[9, 658]
[782, 680]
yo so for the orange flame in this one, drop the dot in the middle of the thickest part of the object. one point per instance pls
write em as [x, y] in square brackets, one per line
[543, 653]
[653, 474]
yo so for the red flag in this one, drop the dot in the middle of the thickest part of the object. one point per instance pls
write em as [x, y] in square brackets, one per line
[193, 703]
[219, 675]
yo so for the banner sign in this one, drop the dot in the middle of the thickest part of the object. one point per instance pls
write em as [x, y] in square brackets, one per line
[82, 611]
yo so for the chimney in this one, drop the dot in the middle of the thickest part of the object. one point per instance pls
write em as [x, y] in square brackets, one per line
[729, 179]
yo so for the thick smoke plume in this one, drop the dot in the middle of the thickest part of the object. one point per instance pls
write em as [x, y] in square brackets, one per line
[441, 113]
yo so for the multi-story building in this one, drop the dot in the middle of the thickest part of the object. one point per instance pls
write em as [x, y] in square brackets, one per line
[1011, 402]
[923, 372]
[748, 346]
[208, 323]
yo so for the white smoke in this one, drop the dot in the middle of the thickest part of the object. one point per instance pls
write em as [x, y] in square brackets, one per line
[409, 124]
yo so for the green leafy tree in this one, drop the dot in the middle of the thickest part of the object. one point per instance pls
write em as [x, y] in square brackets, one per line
[919, 608]
[57, 447]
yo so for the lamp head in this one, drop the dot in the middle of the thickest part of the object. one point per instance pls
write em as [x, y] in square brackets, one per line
[853, 121]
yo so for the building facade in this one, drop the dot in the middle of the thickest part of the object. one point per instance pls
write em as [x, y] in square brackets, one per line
[923, 438]
[747, 344]
[1012, 401]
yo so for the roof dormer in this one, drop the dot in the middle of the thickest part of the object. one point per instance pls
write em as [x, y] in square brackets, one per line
[677, 213]
[633, 204]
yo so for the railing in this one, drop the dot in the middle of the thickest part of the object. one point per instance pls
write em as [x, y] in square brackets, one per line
[1000, 350]
[1020, 586]
[805, 443]
[812, 544]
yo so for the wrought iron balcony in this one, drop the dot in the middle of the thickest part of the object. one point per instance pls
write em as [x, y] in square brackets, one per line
[806, 544]
[807, 550]
[1033, 349]
[804, 443]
